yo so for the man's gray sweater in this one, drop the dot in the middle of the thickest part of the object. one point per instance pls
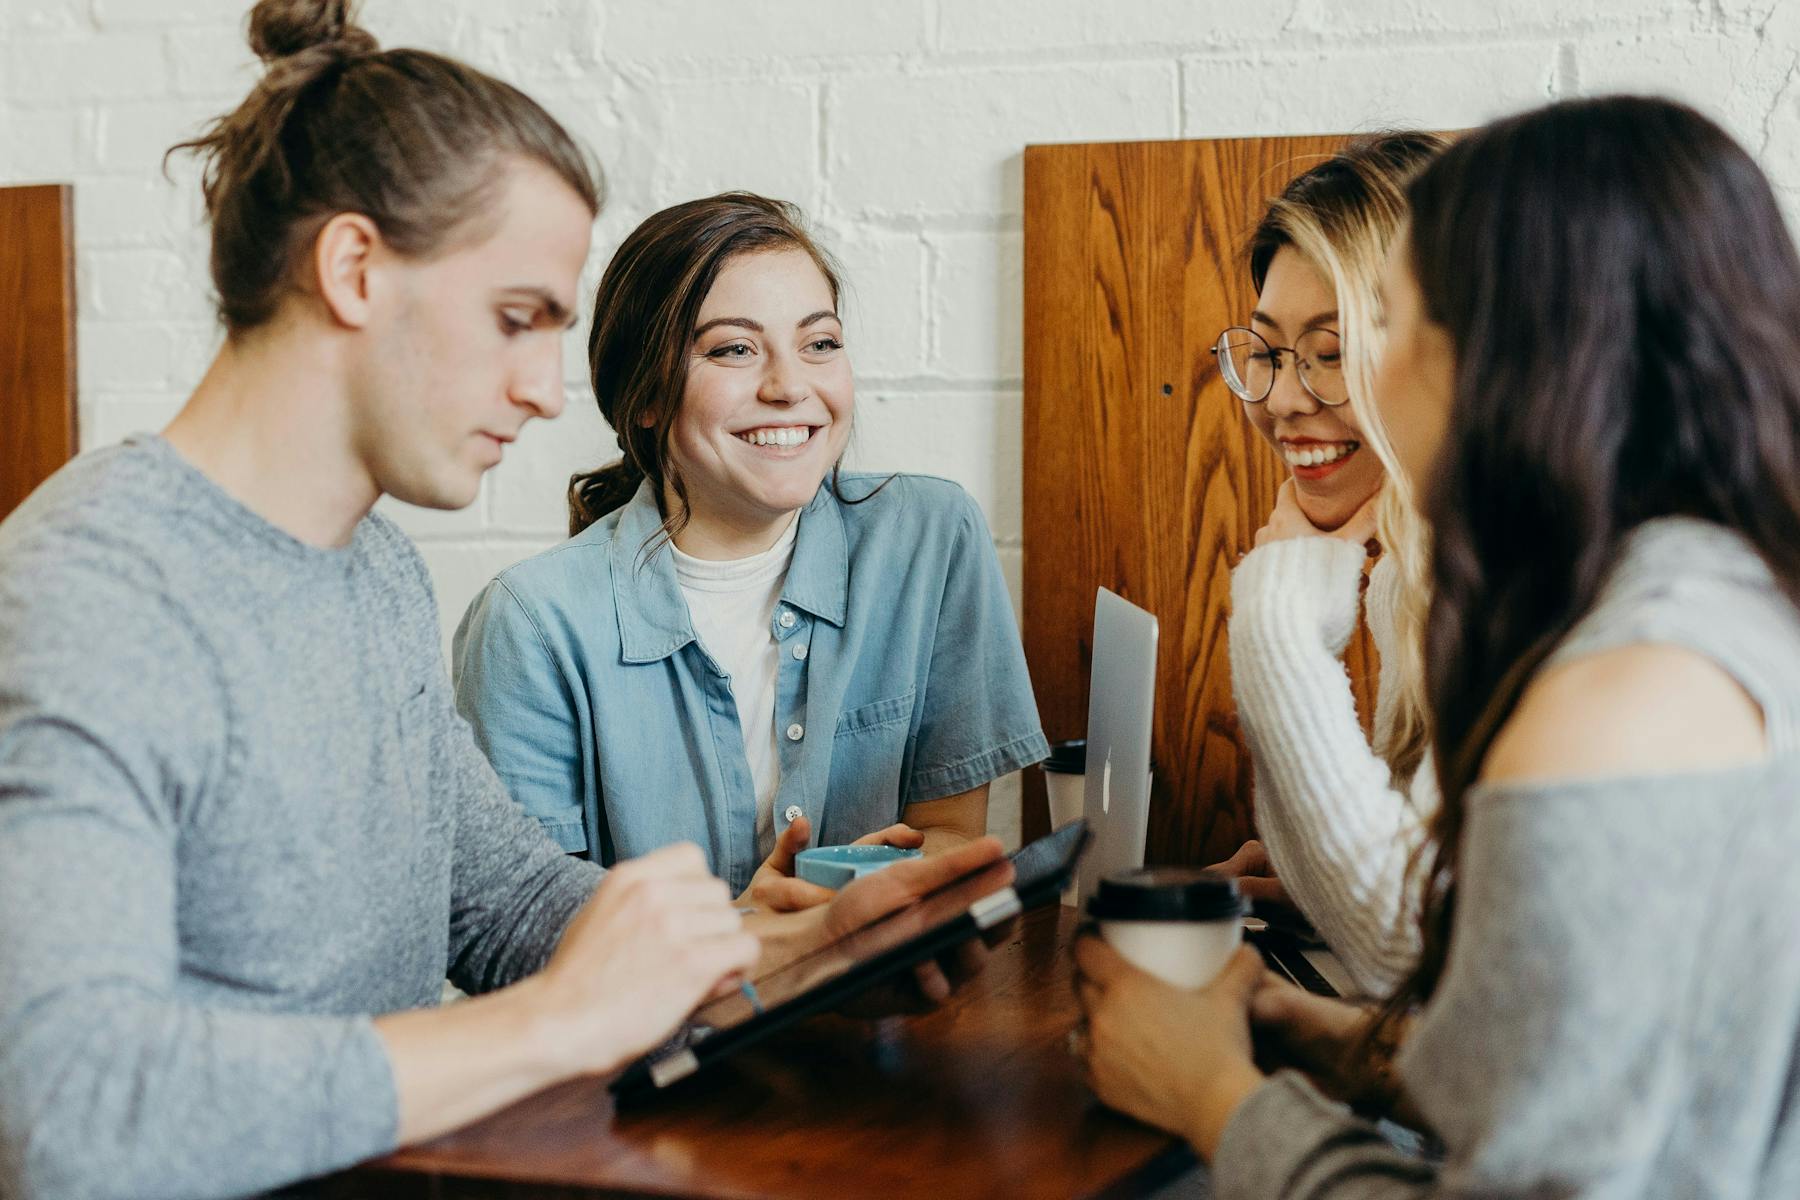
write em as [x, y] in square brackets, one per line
[238, 816]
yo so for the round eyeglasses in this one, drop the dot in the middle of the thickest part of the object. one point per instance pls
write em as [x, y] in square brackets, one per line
[1249, 364]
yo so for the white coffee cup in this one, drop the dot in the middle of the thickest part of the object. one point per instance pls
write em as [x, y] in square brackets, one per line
[1181, 924]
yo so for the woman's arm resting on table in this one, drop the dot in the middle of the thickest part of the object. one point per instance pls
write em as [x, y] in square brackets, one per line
[950, 821]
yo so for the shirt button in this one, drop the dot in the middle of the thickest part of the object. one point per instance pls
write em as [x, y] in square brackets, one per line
[786, 618]
[796, 732]
[800, 650]
[793, 813]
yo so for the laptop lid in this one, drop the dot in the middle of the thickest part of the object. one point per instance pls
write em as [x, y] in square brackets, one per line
[1121, 703]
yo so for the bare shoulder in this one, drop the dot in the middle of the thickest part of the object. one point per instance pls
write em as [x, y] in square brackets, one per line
[1648, 708]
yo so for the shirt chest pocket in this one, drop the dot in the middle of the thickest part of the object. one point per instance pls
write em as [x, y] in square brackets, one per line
[868, 764]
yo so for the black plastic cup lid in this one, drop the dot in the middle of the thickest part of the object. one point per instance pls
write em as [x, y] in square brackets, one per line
[1167, 894]
[1068, 758]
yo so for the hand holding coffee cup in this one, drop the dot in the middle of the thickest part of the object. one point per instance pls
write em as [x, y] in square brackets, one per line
[1181, 924]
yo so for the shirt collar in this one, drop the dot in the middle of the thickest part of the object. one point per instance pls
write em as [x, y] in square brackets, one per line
[653, 616]
[818, 582]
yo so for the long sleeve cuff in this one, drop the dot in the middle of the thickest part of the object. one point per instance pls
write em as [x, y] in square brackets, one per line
[365, 1101]
[1288, 1140]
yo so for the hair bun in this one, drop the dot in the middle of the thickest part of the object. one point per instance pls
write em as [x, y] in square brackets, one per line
[280, 28]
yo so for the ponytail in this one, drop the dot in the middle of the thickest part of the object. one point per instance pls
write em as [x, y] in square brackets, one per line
[593, 494]
[410, 139]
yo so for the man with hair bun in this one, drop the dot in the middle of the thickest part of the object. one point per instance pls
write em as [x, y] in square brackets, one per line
[244, 835]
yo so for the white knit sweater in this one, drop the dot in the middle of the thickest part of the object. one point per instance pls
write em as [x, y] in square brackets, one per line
[1338, 827]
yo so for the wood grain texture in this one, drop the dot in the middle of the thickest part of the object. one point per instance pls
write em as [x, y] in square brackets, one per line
[979, 1098]
[1141, 473]
[37, 337]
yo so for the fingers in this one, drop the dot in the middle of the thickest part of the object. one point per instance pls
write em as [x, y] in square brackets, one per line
[653, 880]
[1098, 962]
[928, 874]
[792, 841]
[1228, 866]
[964, 962]
[784, 894]
[733, 982]
[1261, 887]
[1091, 996]
[1243, 975]
[1361, 525]
[1288, 520]
[715, 964]
[932, 983]
[898, 834]
[681, 909]
[1250, 859]
[1274, 1001]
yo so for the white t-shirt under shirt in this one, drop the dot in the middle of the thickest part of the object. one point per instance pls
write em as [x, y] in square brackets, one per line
[732, 605]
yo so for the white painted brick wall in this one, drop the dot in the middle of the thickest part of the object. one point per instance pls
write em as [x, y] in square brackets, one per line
[898, 124]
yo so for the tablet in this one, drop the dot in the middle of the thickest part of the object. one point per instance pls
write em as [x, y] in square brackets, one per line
[832, 974]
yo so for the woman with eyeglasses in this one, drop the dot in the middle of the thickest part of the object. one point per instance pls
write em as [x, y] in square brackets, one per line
[1593, 374]
[1337, 817]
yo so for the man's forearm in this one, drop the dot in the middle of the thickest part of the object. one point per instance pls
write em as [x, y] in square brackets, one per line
[456, 1064]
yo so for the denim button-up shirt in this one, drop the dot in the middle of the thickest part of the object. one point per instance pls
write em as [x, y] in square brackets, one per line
[901, 679]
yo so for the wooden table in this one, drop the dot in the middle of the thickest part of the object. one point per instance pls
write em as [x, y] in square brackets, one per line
[980, 1098]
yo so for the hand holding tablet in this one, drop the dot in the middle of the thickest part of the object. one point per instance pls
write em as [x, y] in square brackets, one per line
[878, 929]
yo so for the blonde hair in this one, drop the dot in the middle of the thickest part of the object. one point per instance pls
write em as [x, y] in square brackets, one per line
[1342, 216]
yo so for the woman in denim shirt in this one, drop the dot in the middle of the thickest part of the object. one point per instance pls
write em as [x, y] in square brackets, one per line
[741, 645]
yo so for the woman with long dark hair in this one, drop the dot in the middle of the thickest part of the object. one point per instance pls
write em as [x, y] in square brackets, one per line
[1593, 372]
[741, 645]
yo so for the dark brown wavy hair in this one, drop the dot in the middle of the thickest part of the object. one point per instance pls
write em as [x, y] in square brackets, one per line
[644, 314]
[1623, 300]
[414, 141]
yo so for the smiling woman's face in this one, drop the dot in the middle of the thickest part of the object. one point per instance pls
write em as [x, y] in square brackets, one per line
[1334, 473]
[767, 407]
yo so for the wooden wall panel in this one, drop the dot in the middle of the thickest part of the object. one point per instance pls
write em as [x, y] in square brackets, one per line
[37, 337]
[1140, 472]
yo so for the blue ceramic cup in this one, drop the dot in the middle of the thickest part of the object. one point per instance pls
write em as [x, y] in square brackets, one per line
[834, 866]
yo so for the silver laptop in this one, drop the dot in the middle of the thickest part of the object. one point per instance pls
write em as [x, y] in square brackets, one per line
[1121, 703]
